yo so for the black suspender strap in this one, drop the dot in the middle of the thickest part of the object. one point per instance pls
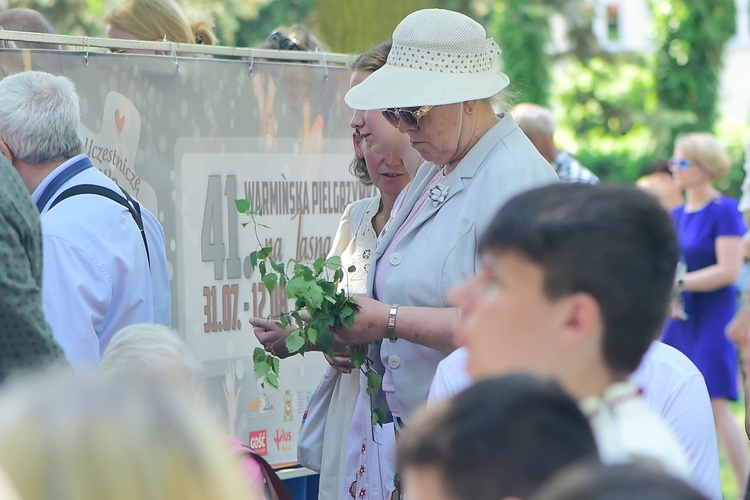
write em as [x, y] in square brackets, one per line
[126, 201]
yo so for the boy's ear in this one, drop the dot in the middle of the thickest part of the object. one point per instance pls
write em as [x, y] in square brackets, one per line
[582, 320]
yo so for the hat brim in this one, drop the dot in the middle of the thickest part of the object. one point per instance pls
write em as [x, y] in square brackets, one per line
[397, 87]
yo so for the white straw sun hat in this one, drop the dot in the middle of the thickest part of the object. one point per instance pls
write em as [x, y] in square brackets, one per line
[438, 57]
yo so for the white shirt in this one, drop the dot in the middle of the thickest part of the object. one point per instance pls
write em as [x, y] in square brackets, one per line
[96, 276]
[672, 387]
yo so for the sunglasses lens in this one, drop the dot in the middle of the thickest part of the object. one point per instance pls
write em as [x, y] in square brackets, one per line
[391, 117]
[409, 118]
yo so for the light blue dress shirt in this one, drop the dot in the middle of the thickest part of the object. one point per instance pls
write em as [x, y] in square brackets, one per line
[96, 275]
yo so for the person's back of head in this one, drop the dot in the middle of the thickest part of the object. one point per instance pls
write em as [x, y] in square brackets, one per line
[500, 437]
[29, 20]
[539, 126]
[533, 119]
[40, 117]
[615, 482]
[79, 439]
[147, 352]
[614, 243]
[156, 20]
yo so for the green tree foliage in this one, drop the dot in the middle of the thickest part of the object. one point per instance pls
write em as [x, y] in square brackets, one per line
[521, 30]
[354, 27]
[692, 35]
[254, 29]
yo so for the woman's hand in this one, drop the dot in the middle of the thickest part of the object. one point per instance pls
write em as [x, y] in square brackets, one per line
[271, 336]
[340, 363]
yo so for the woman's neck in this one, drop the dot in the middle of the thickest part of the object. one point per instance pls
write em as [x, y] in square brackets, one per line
[481, 123]
[384, 212]
[699, 196]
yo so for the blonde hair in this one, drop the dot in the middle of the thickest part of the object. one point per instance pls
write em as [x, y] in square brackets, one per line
[84, 440]
[705, 150]
[156, 19]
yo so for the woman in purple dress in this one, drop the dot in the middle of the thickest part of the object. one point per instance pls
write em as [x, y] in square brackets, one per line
[710, 230]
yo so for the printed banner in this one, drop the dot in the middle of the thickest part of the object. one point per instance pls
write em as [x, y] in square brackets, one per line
[188, 136]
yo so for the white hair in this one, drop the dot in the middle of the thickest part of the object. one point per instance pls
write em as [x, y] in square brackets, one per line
[147, 352]
[40, 117]
[534, 119]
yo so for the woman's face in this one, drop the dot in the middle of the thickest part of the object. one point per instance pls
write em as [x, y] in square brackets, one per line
[387, 171]
[686, 172]
[372, 126]
[437, 135]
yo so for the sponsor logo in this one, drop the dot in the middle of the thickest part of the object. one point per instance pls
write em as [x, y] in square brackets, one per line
[283, 440]
[288, 415]
[259, 442]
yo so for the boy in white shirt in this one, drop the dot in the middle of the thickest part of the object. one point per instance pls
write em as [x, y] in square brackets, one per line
[575, 284]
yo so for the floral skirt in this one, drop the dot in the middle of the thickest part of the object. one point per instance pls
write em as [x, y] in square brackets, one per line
[370, 471]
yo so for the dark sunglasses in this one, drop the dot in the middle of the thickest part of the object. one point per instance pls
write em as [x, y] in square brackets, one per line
[281, 42]
[410, 116]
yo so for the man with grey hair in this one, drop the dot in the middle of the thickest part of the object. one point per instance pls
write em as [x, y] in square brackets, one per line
[104, 262]
[539, 126]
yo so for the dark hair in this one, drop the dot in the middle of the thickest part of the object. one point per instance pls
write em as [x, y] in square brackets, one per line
[500, 437]
[615, 243]
[658, 167]
[615, 482]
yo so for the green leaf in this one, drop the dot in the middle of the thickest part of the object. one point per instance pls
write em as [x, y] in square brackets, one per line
[275, 365]
[260, 369]
[351, 269]
[294, 342]
[265, 252]
[318, 265]
[333, 263]
[253, 260]
[312, 334]
[278, 267]
[273, 380]
[243, 205]
[373, 382]
[377, 417]
[259, 355]
[283, 321]
[348, 321]
[358, 358]
[262, 268]
[270, 281]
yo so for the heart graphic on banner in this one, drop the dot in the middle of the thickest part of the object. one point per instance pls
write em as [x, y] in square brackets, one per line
[119, 121]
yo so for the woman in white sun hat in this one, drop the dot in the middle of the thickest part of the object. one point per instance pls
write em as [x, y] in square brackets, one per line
[436, 87]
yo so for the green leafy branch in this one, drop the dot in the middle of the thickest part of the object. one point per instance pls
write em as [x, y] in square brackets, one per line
[316, 290]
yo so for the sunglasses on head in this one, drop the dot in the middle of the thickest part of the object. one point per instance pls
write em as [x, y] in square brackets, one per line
[281, 42]
[410, 116]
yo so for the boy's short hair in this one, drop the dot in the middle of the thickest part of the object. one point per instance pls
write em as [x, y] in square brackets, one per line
[500, 437]
[615, 243]
[615, 482]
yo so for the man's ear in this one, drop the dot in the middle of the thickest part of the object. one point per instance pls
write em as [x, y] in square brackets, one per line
[582, 319]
